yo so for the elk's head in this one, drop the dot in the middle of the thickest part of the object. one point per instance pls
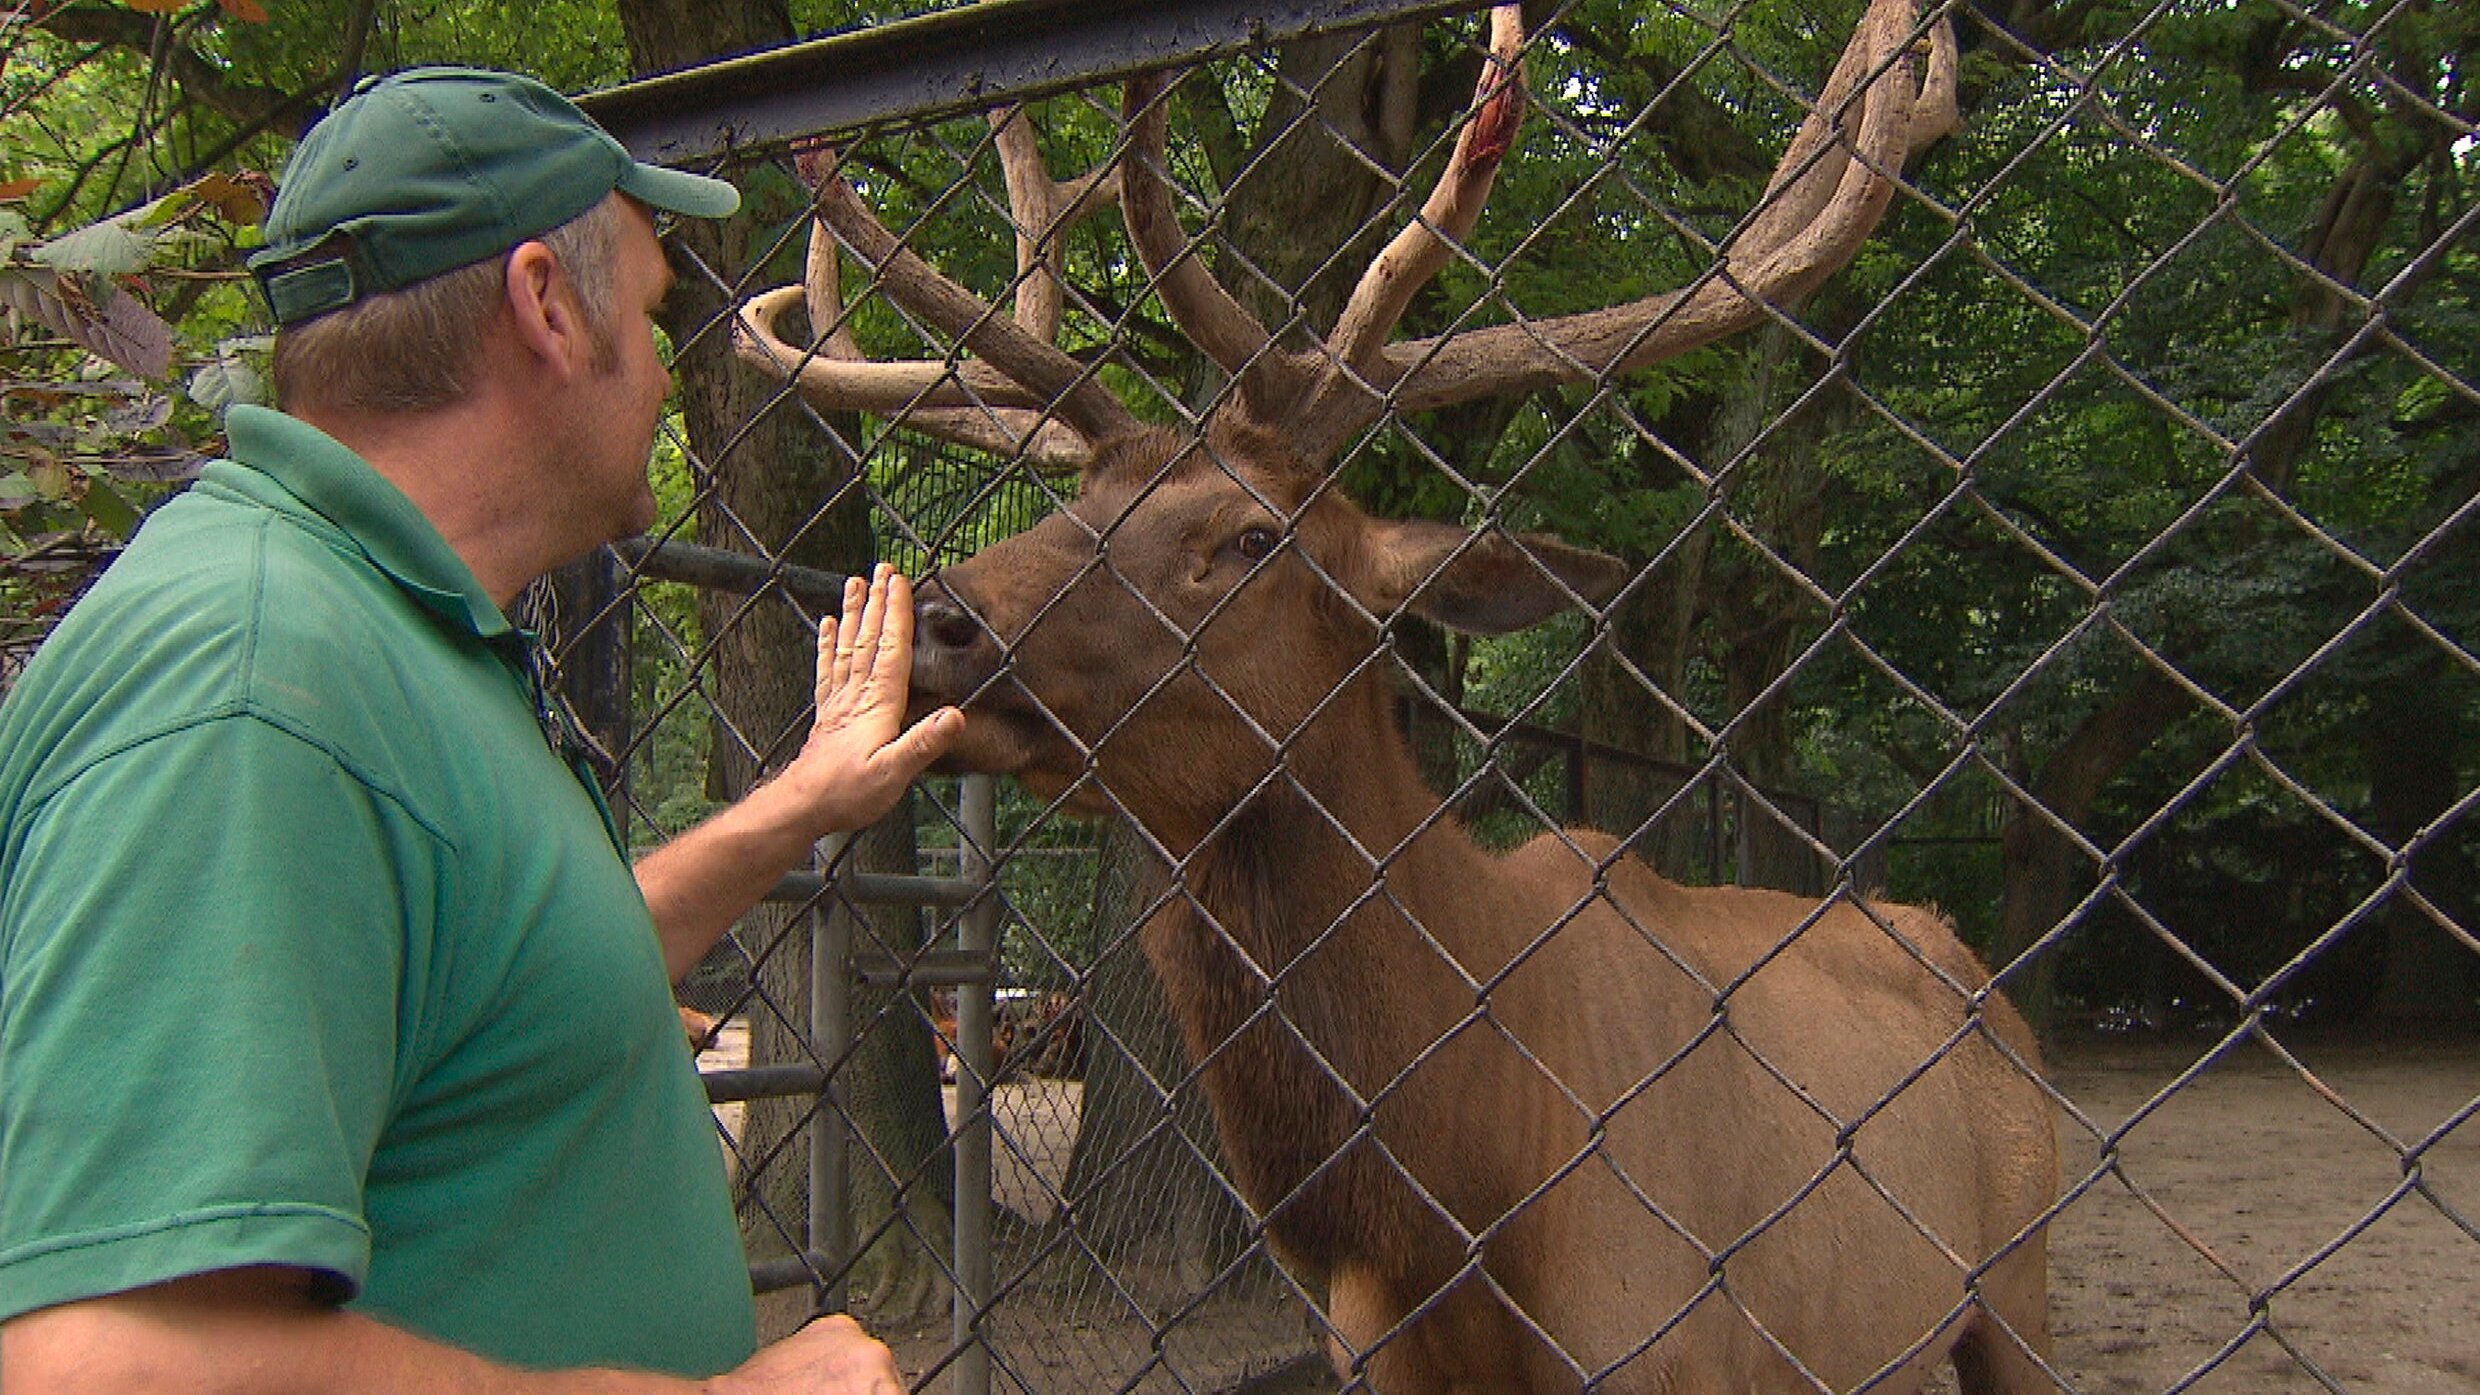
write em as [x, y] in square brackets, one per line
[1203, 611]
[1208, 599]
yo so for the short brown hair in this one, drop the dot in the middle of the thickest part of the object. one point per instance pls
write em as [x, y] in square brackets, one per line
[415, 349]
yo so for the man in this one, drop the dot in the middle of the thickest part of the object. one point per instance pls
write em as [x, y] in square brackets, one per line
[336, 1049]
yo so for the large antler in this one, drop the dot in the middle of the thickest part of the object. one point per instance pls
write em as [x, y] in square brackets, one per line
[1019, 394]
[1207, 314]
[1271, 379]
[1824, 199]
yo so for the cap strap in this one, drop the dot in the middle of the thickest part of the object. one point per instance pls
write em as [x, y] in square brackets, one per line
[302, 290]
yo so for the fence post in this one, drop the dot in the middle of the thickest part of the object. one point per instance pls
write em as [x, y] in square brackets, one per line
[977, 938]
[830, 1027]
[1743, 834]
[1713, 830]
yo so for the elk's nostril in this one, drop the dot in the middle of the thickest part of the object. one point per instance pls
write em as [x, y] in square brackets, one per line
[946, 625]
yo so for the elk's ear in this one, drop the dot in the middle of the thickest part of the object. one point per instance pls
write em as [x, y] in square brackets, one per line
[1488, 584]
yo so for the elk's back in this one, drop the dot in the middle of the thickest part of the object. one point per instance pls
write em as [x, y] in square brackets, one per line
[1735, 1043]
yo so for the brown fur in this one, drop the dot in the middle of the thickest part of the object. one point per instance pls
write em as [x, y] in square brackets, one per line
[1535, 1120]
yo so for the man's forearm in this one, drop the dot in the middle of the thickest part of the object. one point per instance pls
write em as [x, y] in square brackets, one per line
[179, 1340]
[258, 1332]
[700, 882]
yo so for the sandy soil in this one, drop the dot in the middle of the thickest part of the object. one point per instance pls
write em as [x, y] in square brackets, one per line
[2265, 1229]
[2252, 1181]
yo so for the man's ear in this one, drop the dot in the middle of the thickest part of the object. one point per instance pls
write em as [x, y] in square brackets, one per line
[542, 310]
[1487, 583]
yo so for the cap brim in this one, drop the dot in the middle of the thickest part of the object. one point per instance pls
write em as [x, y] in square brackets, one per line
[675, 191]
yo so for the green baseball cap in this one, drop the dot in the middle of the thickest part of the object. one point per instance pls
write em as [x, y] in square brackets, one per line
[427, 170]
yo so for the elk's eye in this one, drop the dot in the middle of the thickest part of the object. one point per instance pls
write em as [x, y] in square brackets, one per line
[1255, 544]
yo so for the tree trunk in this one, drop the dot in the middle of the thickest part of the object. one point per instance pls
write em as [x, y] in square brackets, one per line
[2416, 732]
[1650, 634]
[583, 618]
[771, 482]
[2043, 878]
[1300, 215]
[2046, 874]
[1762, 619]
[1145, 1197]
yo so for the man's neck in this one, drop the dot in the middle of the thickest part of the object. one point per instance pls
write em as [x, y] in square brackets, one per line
[464, 467]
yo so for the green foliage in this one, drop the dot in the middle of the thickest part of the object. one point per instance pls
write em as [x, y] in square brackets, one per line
[2081, 411]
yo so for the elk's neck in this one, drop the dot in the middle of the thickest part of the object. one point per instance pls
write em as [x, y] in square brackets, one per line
[1301, 856]
[1279, 909]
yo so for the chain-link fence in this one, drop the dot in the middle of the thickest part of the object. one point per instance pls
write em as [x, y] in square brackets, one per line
[2014, 460]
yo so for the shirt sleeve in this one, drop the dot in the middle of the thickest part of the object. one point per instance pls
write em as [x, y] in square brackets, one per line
[205, 944]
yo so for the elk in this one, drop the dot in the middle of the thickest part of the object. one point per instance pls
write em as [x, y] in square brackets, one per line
[1532, 1121]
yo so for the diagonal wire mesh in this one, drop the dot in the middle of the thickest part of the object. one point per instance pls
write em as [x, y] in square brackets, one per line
[2089, 560]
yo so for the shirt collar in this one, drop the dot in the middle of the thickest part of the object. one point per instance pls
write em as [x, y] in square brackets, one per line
[340, 487]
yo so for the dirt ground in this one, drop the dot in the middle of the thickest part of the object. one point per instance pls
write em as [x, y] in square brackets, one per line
[2279, 1192]
[2250, 1181]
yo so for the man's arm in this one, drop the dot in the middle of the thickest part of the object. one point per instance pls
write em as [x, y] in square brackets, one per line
[262, 1332]
[850, 772]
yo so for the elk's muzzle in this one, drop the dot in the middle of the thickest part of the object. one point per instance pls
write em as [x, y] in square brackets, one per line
[955, 656]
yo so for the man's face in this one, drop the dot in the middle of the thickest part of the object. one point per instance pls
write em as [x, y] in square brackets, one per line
[623, 400]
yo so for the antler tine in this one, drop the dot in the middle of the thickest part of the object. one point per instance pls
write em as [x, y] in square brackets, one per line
[1050, 374]
[1043, 209]
[971, 404]
[1831, 188]
[913, 390]
[1812, 176]
[1939, 112]
[1386, 289]
[1207, 313]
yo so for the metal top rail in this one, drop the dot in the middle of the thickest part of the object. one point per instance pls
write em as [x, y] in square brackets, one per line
[954, 61]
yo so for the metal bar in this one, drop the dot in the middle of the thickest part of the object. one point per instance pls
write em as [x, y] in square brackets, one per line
[762, 1083]
[1742, 809]
[937, 968]
[879, 888]
[955, 61]
[717, 570]
[788, 1271]
[1489, 724]
[1713, 829]
[830, 1026]
[977, 933]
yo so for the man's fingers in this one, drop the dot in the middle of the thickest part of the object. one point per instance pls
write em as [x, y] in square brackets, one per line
[836, 658]
[894, 658]
[873, 619]
[931, 737]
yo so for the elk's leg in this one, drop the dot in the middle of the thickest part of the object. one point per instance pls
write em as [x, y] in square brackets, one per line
[1990, 1358]
[1464, 1345]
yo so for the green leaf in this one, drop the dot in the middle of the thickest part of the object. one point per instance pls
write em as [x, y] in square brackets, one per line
[108, 509]
[226, 381]
[17, 491]
[51, 479]
[162, 213]
[100, 249]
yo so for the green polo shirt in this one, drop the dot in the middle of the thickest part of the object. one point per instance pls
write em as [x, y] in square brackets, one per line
[313, 952]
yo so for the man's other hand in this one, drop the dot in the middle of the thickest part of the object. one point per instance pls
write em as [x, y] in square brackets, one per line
[831, 1356]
